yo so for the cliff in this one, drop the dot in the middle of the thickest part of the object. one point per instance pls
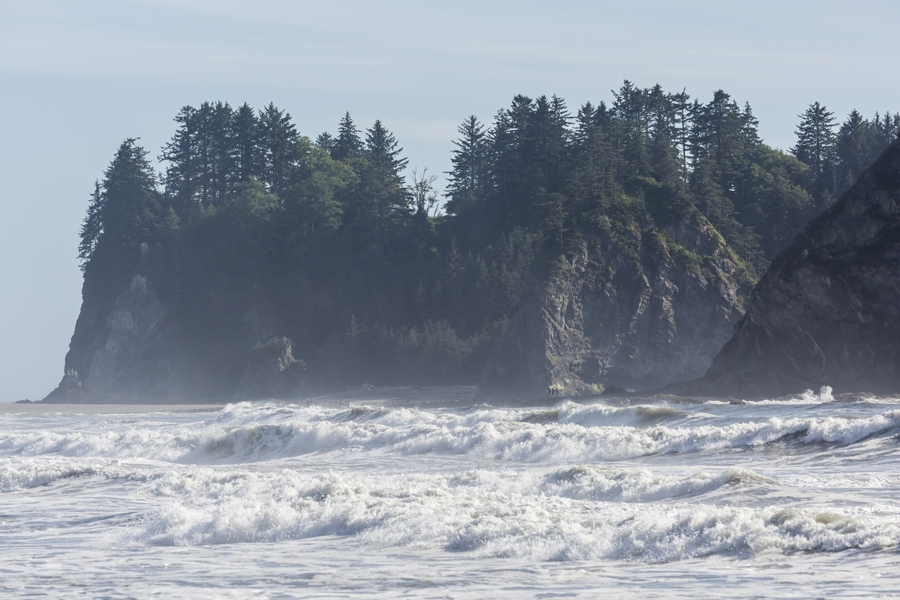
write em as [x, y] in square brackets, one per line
[144, 349]
[827, 312]
[632, 309]
[633, 312]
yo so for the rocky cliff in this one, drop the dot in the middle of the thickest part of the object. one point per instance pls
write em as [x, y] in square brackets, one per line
[633, 312]
[827, 312]
[137, 347]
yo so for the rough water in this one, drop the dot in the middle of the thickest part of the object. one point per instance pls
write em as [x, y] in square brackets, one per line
[796, 497]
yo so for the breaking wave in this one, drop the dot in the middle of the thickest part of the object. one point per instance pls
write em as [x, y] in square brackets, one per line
[541, 517]
[567, 433]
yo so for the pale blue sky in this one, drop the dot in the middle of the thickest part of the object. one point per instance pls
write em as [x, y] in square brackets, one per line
[77, 77]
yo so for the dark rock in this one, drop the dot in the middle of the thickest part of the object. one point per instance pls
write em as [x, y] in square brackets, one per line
[827, 312]
[273, 372]
[621, 313]
[615, 391]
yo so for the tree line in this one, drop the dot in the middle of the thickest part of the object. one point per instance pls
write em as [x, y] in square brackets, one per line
[245, 197]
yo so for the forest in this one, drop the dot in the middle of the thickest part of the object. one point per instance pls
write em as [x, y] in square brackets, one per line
[420, 284]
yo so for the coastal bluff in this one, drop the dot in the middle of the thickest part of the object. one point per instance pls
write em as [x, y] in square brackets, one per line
[827, 312]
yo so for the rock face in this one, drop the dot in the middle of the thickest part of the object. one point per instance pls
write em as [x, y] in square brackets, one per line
[827, 312]
[133, 349]
[117, 348]
[272, 372]
[635, 316]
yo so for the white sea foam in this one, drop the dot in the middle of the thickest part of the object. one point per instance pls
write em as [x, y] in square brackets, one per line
[570, 432]
[23, 474]
[491, 514]
[807, 397]
[280, 498]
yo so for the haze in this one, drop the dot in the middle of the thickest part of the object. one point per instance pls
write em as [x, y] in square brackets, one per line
[79, 77]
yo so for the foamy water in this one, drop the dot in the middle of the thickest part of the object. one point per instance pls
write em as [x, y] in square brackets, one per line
[788, 497]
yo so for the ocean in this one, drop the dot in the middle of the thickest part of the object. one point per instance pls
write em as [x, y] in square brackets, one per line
[433, 494]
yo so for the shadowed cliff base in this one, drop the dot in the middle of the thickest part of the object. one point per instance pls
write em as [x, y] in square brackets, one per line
[827, 312]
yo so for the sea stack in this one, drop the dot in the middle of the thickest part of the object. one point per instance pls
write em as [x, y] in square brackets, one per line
[827, 312]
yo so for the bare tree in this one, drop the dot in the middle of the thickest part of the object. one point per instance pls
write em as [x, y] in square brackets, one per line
[424, 194]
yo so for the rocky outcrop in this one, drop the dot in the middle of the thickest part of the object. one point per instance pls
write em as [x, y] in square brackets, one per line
[134, 349]
[827, 312]
[632, 313]
[117, 349]
[272, 372]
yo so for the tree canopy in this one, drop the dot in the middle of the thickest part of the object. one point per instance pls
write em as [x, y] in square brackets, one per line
[244, 197]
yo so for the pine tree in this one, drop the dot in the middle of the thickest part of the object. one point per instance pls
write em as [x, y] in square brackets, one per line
[750, 128]
[279, 143]
[91, 227]
[681, 111]
[884, 131]
[816, 148]
[182, 179]
[201, 157]
[203, 152]
[663, 152]
[632, 131]
[348, 144]
[592, 179]
[325, 141]
[720, 140]
[853, 148]
[385, 198]
[468, 177]
[556, 146]
[244, 134]
[131, 214]
[222, 176]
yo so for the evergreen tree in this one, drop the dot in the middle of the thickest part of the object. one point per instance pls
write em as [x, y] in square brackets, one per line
[130, 212]
[348, 144]
[663, 152]
[467, 180]
[385, 200]
[593, 172]
[631, 131]
[91, 227]
[325, 141]
[721, 139]
[750, 128]
[181, 178]
[244, 134]
[201, 158]
[854, 148]
[816, 148]
[204, 153]
[503, 142]
[681, 113]
[278, 144]
[555, 147]
[222, 176]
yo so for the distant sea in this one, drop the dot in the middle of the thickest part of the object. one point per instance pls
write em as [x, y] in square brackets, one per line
[440, 495]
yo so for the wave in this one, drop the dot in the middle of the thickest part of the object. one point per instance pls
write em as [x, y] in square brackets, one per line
[17, 475]
[808, 397]
[502, 515]
[567, 433]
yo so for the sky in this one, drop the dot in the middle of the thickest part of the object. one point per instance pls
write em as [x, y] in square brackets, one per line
[78, 77]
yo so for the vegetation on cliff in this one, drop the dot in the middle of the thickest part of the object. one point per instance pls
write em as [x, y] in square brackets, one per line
[372, 279]
[826, 312]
